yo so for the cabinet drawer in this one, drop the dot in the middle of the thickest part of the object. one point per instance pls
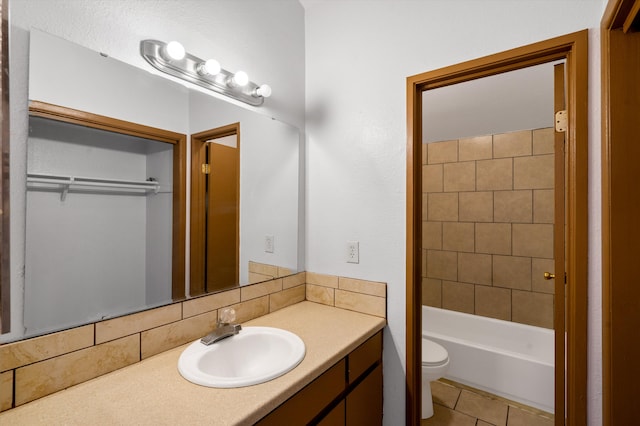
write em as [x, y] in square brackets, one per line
[364, 356]
[311, 400]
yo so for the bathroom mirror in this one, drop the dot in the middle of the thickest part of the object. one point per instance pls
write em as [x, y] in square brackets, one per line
[268, 200]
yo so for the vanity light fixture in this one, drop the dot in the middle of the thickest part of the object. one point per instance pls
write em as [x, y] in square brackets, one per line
[173, 51]
[209, 67]
[171, 58]
[239, 79]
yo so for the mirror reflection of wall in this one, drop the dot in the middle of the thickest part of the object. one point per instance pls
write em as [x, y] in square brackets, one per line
[268, 181]
[101, 85]
[103, 241]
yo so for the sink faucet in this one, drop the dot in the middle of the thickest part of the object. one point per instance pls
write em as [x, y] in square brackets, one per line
[224, 327]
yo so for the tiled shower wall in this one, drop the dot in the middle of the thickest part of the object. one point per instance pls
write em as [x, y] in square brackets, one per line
[487, 230]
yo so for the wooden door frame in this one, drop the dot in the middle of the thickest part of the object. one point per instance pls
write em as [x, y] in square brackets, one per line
[573, 48]
[198, 236]
[178, 140]
[620, 210]
[5, 249]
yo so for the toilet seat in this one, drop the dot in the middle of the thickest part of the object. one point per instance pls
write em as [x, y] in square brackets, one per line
[433, 354]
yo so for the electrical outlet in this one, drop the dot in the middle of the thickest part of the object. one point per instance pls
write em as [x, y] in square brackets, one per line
[269, 244]
[353, 252]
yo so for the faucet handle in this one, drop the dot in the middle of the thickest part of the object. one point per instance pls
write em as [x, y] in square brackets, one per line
[227, 315]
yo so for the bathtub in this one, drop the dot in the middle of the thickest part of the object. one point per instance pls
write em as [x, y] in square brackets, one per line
[508, 359]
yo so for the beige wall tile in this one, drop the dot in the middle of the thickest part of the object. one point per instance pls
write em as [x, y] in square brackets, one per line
[442, 265]
[45, 377]
[442, 207]
[432, 178]
[513, 206]
[432, 292]
[251, 309]
[424, 198]
[538, 268]
[512, 272]
[322, 279]
[424, 262]
[135, 323]
[442, 152]
[543, 206]
[212, 302]
[512, 144]
[532, 308]
[543, 141]
[493, 238]
[248, 292]
[258, 278]
[476, 206]
[458, 236]
[372, 288]
[359, 302]
[533, 240]
[320, 294]
[28, 351]
[284, 272]
[474, 268]
[493, 302]
[263, 269]
[6, 390]
[432, 235]
[460, 176]
[535, 172]
[178, 333]
[424, 153]
[294, 280]
[478, 148]
[458, 296]
[494, 175]
[286, 297]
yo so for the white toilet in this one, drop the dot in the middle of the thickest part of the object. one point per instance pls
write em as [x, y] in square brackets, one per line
[435, 363]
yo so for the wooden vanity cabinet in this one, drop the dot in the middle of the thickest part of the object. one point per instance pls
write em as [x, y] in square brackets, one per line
[348, 393]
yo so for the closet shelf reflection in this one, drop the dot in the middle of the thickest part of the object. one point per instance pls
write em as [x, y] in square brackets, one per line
[64, 183]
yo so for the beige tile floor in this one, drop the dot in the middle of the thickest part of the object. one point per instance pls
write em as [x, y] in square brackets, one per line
[458, 405]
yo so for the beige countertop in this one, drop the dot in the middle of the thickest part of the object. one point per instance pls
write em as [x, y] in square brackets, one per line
[152, 392]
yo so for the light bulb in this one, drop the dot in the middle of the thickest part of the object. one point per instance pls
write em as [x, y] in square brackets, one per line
[240, 78]
[264, 91]
[174, 50]
[209, 67]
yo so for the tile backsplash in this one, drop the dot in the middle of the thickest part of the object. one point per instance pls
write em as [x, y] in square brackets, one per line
[36, 367]
[487, 225]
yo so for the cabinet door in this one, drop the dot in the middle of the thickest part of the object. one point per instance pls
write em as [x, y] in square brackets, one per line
[364, 403]
[335, 416]
[301, 408]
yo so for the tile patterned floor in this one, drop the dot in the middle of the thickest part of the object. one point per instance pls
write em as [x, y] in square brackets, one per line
[458, 405]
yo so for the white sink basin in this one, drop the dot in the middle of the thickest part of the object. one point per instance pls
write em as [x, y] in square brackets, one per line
[255, 355]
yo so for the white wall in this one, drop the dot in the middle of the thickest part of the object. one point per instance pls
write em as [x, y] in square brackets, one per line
[517, 100]
[359, 54]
